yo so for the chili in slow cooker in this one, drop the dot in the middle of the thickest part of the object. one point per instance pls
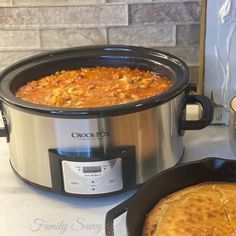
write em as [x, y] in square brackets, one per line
[93, 87]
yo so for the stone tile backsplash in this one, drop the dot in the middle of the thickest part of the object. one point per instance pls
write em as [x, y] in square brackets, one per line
[166, 12]
[145, 35]
[55, 38]
[187, 35]
[64, 16]
[28, 27]
[55, 2]
[19, 39]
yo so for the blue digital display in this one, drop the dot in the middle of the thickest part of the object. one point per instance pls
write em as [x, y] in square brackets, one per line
[92, 169]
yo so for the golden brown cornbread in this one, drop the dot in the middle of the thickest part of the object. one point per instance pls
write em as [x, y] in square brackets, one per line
[206, 209]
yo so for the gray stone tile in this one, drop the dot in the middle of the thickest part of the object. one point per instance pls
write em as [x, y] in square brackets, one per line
[9, 57]
[70, 16]
[159, 13]
[176, 0]
[194, 74]
[5, 2]
[150, 36]
[60, 38]
[55, 2]
[187, 34]
[188, 54]
[19, 39]
[128, 1]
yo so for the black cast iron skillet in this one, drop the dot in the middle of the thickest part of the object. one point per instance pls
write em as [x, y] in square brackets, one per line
[169, 181]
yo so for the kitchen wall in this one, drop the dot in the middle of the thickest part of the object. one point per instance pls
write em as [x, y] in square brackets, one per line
[32, 26]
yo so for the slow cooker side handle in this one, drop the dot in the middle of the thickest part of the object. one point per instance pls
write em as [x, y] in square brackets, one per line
[4, 130]
[207, 114]
[113, 214]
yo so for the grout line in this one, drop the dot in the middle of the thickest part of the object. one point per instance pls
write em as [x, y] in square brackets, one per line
[107, 35]
[175, 35]
[39, 38]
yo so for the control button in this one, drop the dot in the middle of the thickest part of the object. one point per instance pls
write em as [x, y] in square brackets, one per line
[75, 183]
[92, 189]
[92, 181]
[97, 175]
[78, 168]
[88, 175]
[106, 168]
[110, 182]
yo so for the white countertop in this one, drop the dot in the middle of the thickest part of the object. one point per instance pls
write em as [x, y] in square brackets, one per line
[28, 211]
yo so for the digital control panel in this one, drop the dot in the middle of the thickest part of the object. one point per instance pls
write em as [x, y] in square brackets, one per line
[95, 177]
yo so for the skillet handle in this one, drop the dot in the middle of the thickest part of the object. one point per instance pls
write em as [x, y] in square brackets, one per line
[207, 114]
[113, 214]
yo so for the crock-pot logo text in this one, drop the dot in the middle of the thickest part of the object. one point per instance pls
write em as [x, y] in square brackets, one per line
[90, 135]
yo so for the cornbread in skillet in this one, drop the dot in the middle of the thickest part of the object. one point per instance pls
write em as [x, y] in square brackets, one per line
[207, 209]
[93, 87]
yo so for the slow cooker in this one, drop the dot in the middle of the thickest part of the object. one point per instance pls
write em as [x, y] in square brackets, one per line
[104, 150]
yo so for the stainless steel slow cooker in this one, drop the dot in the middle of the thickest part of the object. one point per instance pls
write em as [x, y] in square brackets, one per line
[97, 151]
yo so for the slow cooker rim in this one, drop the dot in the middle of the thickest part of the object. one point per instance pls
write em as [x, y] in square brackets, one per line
[7, 97]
